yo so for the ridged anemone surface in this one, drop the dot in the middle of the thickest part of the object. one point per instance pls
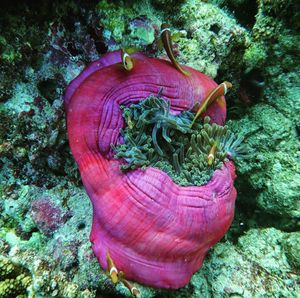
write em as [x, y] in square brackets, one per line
[156, 231]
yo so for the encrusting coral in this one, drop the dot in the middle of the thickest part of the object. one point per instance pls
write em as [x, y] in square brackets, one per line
[13, 279]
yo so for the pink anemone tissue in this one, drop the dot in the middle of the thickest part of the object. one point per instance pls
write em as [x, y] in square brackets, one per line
[156, 232]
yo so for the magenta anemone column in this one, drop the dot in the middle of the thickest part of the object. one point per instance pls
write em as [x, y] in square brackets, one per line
[157, 232]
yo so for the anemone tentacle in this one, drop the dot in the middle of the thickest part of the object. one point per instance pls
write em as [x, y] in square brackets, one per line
[176, 148]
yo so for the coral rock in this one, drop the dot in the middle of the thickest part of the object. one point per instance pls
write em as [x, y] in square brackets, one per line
[46, 215]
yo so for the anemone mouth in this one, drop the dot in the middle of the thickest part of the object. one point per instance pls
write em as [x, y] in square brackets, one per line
[155, 136]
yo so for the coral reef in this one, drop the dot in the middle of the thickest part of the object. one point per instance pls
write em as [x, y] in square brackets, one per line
[259, 258]
[46, 216]
[278, 190]
[272, 124]
[290, 243]
[128, 23]
[44, 45]
[212, 36]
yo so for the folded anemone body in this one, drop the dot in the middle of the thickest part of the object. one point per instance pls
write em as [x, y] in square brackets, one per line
[157, 232]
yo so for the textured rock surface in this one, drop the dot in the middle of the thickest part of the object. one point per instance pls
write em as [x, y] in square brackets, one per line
[44, 49]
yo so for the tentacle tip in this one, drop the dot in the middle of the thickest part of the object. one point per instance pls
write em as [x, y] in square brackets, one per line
[185, 72]
[135, 291]
[114, 278]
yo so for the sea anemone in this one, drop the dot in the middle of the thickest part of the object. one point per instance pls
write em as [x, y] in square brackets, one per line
[150, 227]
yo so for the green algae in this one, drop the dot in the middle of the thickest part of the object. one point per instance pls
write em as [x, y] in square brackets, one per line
[153, 136]
[255, 56]
[128, 23]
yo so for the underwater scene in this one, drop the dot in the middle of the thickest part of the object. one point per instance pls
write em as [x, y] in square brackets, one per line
[150, 148]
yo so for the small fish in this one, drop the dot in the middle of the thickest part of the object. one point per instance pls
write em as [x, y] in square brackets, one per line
[111, 268]
[212, 153]
[168, 46]
[212, 96]
[175, 36]
[126, 60]
[134, 291]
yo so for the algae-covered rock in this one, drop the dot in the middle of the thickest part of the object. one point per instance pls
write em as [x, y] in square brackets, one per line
[213, 36]
[127, 24]
[61, 262]
[291, 244]
[271, 178]
[256, 267]
[273, 171]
